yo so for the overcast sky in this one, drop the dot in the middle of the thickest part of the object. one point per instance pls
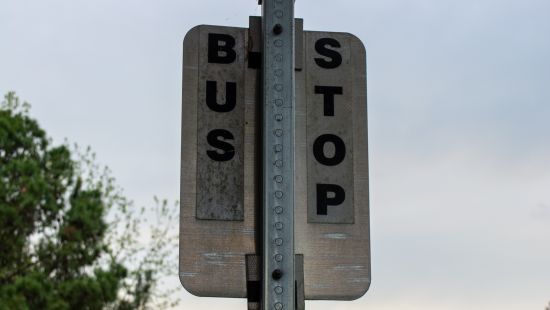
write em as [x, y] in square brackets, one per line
[459, 127]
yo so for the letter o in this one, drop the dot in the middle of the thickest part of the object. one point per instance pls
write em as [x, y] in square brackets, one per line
[339, 150]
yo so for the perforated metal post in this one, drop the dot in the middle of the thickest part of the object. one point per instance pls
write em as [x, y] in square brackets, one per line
[278, 155]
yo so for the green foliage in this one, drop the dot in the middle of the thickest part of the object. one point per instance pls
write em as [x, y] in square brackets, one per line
[68, 237]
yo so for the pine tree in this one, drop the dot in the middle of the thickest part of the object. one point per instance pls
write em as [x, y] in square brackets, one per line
[58, 248]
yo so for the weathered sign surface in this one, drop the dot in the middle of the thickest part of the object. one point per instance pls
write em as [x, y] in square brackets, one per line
[219, 180]
[218, 176]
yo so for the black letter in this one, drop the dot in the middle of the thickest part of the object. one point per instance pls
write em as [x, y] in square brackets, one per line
[336, 58]
[328, 97]
[214, 48]
[230, 96]
[323, 201]
[339, 150]
[214, 140]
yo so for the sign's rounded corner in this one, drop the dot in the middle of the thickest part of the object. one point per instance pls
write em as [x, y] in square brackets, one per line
[360, 42]
[363, 291]
[187, 286]
[192, 31]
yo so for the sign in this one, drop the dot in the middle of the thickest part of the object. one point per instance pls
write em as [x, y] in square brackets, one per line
[221, 162]
[218, 171]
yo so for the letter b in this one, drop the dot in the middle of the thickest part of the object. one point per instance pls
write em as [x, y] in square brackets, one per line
[221, 54]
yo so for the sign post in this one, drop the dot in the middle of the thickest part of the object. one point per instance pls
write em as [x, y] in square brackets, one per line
[278, 154]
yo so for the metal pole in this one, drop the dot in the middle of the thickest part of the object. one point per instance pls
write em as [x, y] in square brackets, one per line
[278, 155]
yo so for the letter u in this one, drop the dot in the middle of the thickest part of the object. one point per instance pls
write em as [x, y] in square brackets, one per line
[230, 96]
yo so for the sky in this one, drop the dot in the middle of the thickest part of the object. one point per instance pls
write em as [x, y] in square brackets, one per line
[459, 130]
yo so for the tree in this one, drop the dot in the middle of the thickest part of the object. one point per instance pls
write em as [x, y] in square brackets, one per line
[68, 237]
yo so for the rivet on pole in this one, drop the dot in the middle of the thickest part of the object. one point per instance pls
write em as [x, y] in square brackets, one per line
[277, 274]
[277, 29]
